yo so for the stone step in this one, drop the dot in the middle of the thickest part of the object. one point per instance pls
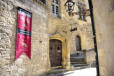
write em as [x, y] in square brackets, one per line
[56, 72]
[79, 66]
[78, 63]
[77, 59]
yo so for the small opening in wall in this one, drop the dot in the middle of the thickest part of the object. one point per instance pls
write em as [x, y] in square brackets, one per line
[40, 41]
[44, 1]
[112, 6]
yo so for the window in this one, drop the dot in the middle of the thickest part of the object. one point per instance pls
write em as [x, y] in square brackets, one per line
[55, 8]
[78, 43]
[44, 1]
[81, 9]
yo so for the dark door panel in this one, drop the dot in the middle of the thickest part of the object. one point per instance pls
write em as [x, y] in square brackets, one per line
[55, 52]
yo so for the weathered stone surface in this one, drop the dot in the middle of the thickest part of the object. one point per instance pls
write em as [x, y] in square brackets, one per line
[104, 22]
[59, 28]
[8, 23]
[62, 26]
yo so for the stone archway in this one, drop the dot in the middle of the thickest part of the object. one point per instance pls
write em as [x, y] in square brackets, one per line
[64, 50]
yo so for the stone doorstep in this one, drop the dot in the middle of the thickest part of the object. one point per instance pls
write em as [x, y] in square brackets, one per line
[61, 72]
[56, 72]
[57, 67]
[77, 62]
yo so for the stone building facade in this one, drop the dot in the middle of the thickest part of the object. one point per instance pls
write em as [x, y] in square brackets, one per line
[104, 23]
[50, 26]
[60, 26]
[39, 53]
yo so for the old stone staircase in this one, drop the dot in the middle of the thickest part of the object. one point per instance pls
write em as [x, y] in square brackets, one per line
[78, 60]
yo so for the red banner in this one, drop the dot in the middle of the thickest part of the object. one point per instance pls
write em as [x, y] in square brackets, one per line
[24, 23]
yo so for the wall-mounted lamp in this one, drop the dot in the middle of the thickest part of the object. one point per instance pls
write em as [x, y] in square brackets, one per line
[69, 5]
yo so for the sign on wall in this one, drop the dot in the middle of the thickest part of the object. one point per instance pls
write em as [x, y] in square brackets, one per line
[24, 23]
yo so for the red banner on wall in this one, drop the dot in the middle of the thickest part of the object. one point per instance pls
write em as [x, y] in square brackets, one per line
[24, 23]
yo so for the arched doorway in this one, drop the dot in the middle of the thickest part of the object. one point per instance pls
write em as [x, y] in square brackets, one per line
[55, 52]
[78, 43]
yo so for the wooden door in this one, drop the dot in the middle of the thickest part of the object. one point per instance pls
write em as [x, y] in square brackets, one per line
[55, 52]
[78, 43]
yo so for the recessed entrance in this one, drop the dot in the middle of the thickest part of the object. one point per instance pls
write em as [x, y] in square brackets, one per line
[78, 43]
[55, 53]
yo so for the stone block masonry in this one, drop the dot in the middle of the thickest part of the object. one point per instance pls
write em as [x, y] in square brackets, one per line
[39, 50]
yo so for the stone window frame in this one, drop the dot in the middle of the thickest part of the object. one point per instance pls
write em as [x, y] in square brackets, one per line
[56, 8]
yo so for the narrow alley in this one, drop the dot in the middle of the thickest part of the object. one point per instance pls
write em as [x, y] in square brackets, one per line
[56, 37]
[79, 72]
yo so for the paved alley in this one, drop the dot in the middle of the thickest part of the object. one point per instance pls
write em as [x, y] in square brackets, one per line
[80, 72]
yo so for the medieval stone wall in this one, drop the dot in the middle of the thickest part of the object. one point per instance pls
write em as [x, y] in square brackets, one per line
[63, 24]
[104, 23]
[84, 30]
[38, 64]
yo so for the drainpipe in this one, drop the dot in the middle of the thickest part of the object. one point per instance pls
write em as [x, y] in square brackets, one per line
[94, 35]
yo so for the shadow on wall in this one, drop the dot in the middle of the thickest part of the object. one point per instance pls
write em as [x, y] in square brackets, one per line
[44, 74]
